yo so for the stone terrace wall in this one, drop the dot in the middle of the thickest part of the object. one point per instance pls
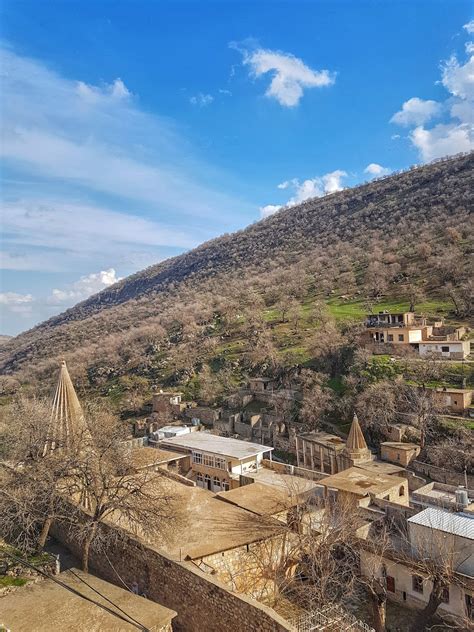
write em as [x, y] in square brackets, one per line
[439, 474]
[202, 603]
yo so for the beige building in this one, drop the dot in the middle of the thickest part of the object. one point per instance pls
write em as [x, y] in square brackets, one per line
[403, 328]
[330, 454]
[399, 452]
[360, 485]
[218, 462]
[455, 400]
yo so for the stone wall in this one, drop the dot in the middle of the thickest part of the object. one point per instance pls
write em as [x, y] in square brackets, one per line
[439, 474]
[202, 602]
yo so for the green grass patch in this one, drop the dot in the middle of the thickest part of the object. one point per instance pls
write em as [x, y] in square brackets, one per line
[12, 581]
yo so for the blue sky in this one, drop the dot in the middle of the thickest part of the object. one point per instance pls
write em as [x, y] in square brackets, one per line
[132, 131]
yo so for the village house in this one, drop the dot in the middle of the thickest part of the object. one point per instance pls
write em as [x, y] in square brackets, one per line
[452, 497]
[399, 452]
[445, 349]
[434, 536]
[454, 400]
[360, 486]
[218, 462]
[402, 328]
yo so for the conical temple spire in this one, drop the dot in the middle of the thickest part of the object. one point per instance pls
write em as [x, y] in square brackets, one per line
[355, 440]
[67, 421]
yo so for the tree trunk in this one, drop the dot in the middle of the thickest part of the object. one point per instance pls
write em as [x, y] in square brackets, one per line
[87, 546]
[44, 534]
[424, 617]
[379, 609]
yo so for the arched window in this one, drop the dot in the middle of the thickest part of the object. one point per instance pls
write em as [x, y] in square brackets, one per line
[401, 491]
[225, 485]
[199, 480]
[216, 481]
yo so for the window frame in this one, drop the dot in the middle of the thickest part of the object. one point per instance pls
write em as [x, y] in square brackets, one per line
[417, 584]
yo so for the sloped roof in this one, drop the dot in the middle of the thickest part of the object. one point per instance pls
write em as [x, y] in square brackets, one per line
[460, 523]
[356, 440]
[67, 419]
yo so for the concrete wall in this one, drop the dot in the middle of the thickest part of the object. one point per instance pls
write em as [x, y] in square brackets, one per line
[202, 603]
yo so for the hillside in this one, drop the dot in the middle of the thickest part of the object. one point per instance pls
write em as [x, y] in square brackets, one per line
[399, 240]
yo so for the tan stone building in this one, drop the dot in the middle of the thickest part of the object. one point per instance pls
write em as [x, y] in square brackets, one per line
[329, 453]
[403, 328]
[454, 400]
[399, 452]
[360, 485]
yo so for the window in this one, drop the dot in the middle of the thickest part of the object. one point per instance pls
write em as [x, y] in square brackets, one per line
[445, 349]
[445, 595]
[390, 583]
[401, 491]
[216, 482]
[208, 460]
[225, 486]
[199, 480]
[220, 463]
[417, 584]
[207, 481]
[197, 457]
[401, 337]
[390, 337]
[469, 599]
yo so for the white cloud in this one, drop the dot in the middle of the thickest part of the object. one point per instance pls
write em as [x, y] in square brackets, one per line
[84, 287]
[376, 170]
[115, 91]
[454, 133]
[442, 140]
[225, 92]
[469, 26]
[459, 79]
[313, 187]
[201, 99]
[12, 298]
[469, 46]
[74, 229]
[290, 75]
[416, 111]
[269, 209]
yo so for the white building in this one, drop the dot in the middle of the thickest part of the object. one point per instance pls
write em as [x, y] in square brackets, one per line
[218, 462]
[449, 349]
[433, 534]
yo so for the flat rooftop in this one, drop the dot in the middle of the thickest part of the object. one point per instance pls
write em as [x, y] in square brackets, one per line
[46, 606]
[260, 499]
[461, 524]
[331, 441]
[203, 524]
[360, 482]
[295, 484]
[381, 467]
[400, 445]
[206, 442]
[149, 457]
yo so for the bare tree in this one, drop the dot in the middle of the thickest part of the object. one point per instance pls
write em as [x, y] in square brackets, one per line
[110, 488]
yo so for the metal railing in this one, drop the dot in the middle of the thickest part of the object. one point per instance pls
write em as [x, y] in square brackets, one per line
[330, 619]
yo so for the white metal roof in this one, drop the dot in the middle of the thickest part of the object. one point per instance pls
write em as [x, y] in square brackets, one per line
[233, 448]
[460, 523]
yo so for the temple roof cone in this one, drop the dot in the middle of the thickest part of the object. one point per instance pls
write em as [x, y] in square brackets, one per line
[356, 441]
[67, 419]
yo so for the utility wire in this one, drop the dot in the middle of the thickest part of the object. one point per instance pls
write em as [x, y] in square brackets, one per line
[104, 597]
[127, 618]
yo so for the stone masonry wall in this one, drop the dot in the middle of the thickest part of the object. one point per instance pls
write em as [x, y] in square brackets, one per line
[202, 603]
